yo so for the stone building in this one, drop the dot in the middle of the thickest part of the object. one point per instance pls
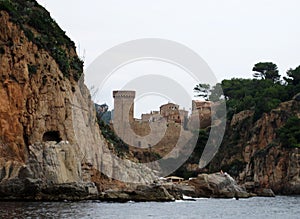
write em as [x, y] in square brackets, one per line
[123, 111]
[143, 132]
[151, 117]
[201, 105]
[170, 111]
[201, 114]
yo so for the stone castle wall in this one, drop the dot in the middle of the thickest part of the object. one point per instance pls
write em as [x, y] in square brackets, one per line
[157, 130]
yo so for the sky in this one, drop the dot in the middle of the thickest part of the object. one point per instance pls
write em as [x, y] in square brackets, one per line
[231, 36]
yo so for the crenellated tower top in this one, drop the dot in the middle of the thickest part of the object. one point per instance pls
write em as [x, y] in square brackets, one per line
[124, 94]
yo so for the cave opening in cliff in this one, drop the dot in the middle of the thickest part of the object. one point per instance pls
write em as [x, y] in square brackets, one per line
[52, 136]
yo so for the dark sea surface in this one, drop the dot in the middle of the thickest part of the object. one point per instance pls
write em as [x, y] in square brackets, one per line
[278, 207]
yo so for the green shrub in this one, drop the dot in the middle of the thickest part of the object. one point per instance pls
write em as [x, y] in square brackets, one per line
[62, 60]
[6, 5]
[289, 134]
[120, 147]
[77, 65]
[50, 37]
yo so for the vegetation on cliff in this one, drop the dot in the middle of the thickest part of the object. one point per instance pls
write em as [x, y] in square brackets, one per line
[260, 145]
[187, 169]
[42, 30]
[118, 146]
[289, 134]
[261, 94]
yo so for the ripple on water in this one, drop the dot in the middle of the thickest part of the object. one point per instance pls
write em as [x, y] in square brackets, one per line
[279, 207]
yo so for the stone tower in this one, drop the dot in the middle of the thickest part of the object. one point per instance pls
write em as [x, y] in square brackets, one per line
[123, 111]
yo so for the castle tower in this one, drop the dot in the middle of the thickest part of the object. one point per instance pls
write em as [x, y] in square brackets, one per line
[123, 111]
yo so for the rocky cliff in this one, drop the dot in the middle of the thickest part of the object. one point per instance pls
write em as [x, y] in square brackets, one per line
[50, 142]
[255, 154]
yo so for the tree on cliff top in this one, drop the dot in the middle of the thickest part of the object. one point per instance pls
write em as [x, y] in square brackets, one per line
[202, 90]
[266, 70]
[293, 76]
[261, 96]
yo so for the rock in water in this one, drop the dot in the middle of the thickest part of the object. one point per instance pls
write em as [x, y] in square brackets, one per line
[141, 193]
[217, 185]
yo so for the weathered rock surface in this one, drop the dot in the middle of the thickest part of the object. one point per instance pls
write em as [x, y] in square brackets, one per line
[254, 155]
[140, 193]
[50, 142]
[217, 185]
[214, 185]
[51, 145]
[53, 172]
[179, 190]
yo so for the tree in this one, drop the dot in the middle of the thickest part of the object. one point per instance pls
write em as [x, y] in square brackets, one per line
[293, 76]
[260, 96]
[216, 93]
[236, 88]
[101, 110]
[266, 70]
[203, 90]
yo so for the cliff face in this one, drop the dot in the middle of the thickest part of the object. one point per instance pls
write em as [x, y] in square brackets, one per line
[255, 154]
[271, 164]
[35, 96]
[35, 115]
[50, 143]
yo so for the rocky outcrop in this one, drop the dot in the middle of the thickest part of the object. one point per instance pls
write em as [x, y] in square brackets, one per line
[214, 185]
[52, 172]
[217, 185]
[140, 193]
[254, 154]
[179, 190]
[38, 145]
[50, 142]
[271, 164]
[51, 146]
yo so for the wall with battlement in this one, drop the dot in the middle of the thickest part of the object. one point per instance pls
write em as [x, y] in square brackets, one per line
[170, 121]
[124, 94]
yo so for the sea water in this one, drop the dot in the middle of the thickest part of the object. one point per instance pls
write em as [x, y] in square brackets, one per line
[258, 207]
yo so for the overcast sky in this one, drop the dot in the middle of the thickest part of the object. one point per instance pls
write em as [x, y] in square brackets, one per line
[231, 36]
